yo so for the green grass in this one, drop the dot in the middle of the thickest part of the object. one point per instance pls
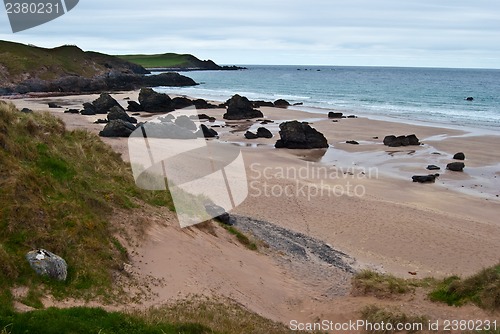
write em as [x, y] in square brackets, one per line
[59, 190]
[379, 285]
[482, 289]
[242, 238]
[90, 320]
[160, 60]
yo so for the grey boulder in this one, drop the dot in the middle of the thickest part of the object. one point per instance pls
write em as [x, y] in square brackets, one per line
[45, 263]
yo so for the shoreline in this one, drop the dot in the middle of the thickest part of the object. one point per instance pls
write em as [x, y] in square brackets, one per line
[397, 225]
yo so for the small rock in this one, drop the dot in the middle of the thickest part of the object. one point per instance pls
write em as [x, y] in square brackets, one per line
[456, 166]
[45, 263]
[26, 110]
[433, 167]
[219, 213]
[250, 135]
[204, 131]
[72, 111]
[431, 178]
[264, 133]
[459, 156]
[352, 142]
[470, 98]
[185, 122]
[54, 105]
[332, 114]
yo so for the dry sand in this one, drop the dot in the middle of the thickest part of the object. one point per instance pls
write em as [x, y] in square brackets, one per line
[394, 225]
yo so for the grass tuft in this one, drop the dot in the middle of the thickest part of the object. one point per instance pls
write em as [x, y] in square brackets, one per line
[368, 282]
[376, 315]
[482, 289]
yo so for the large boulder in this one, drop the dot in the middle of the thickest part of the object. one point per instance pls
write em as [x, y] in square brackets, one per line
[280, 103]
[104, 103]
[154, 102]
[171, 79]
[239, 107]
[119, 113]
[456, 166]
[45, 263]
[117, 128]
[297, 135]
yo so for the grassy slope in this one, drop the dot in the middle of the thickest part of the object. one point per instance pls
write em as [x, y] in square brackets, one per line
[168, 60]
[19, 62]
[58, 191]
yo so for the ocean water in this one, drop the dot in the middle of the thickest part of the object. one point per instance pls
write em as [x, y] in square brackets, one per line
[434, 95]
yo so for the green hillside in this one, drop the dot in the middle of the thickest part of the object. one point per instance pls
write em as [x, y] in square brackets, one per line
[174, 61]
[19, 62]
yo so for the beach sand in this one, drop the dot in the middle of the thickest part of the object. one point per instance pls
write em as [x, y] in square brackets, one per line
[366, 205]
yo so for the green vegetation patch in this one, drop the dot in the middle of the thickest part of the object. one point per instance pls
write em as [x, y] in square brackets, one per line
[161, 60]
[482, 289]
[90, 320]
[376, 315]
[368, 282]
[59, 190]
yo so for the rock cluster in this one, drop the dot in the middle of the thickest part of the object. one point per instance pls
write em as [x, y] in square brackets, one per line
[393, 141]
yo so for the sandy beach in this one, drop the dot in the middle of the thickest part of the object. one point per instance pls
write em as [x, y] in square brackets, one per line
[359, 199]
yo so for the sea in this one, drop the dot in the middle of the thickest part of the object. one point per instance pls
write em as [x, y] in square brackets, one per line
[430, 95]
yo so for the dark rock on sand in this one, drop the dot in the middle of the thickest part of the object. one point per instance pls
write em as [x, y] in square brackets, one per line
[45, 263]
[72, 111]
[264, 133]
[88, 109]
[104, 103]
[185, 122]
[332, 114]
[352, 116]
[134, 106]
[167, 130]
[393, 141]
[117, 128]
[260, 103]
[433, 167]
[280, 103]
[299, 135]
[219, 213]
[202, 104]
[155, 102]
[353, 142]
[431, 178]
[26, 110]
[54, 105]
[101, 121]
[119, 113]
[181, 102]
[456, 166]
[459, 156]
[250, 135]
[239, 107]
[206, 132]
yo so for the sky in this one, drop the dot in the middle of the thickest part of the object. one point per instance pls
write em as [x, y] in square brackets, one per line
[420, 33]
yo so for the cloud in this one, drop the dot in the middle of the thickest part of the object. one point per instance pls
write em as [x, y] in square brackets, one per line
[350, 32]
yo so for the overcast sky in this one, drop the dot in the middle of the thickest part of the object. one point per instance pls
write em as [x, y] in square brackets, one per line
[437, 33]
